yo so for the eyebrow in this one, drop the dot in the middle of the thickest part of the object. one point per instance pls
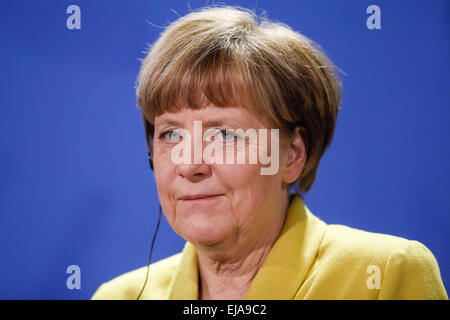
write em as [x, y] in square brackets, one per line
[170, 122]
[208, 123]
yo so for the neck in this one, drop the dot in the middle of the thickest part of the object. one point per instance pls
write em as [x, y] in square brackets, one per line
[226, 270]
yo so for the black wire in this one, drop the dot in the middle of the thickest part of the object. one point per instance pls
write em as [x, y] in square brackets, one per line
[150, 255]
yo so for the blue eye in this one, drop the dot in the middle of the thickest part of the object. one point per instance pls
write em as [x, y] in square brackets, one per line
[173, 136]
[228, 134]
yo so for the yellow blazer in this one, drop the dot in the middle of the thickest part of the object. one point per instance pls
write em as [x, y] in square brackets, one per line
[310, 260]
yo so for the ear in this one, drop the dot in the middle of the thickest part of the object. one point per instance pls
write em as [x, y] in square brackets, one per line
[296, 154]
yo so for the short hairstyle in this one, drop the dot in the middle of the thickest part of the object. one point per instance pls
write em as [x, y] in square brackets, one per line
[229, 56]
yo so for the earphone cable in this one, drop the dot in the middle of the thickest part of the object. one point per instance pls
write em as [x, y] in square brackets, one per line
[151, 251]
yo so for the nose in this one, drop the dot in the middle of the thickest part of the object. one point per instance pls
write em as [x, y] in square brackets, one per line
[194, 172]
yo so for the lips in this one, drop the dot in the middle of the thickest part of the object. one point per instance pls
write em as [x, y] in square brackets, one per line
[199, 197]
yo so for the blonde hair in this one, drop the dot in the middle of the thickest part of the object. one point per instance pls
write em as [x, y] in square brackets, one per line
[229, 56]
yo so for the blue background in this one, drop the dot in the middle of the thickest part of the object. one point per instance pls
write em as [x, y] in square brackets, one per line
[75, 187]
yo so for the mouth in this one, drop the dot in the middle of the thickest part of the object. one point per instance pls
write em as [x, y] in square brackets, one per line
[199, 197]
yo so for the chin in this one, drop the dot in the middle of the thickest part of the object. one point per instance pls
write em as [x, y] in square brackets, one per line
[206, 234]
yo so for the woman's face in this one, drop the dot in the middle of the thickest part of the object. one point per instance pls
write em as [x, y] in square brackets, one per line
[208, 203]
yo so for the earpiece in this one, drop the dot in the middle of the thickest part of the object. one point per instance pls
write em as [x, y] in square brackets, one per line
[150, 160]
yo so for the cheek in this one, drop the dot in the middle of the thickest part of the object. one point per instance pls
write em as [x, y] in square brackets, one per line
[163, 180]
[246, 181]
[165, 173]
[164, 169]
[236, 175]
[250, 194]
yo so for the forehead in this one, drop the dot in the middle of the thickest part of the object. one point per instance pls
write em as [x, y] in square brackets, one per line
[210, 115]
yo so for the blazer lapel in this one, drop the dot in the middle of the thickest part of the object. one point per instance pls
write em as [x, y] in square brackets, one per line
[184, 285]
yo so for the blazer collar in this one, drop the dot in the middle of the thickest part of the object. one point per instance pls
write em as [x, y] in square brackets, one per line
[184, 285]
[291, 257]
[284, 270]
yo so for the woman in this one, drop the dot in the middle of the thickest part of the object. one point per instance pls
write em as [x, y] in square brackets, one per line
[221, 84]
